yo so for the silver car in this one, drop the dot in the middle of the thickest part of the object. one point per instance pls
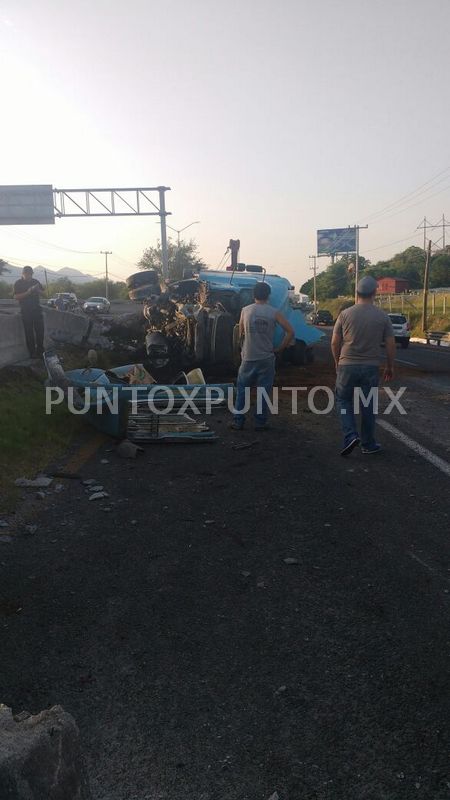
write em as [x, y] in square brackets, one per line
[97, 305]
[402, 329]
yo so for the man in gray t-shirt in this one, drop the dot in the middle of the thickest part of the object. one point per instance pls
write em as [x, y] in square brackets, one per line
[257, 328]
[358, 335]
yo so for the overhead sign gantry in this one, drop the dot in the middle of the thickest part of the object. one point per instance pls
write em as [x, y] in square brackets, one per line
[42, 204]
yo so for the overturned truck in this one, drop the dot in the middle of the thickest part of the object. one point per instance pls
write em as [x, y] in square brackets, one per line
[195, 321]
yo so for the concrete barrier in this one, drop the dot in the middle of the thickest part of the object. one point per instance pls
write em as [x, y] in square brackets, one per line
[40, 757]
[60, 327]
[12, 340]
[63, 326]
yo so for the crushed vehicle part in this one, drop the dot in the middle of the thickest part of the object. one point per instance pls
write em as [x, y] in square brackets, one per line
[116, 419]
[195, 320]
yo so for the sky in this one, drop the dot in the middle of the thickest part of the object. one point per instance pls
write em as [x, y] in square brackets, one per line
[269, 119]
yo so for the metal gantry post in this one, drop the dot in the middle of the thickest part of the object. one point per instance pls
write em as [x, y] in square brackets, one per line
[162, 216]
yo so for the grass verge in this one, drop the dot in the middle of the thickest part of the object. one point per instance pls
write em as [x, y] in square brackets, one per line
[29, 438]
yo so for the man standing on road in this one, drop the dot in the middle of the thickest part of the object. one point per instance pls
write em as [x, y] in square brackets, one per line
[257, 327]
[27, 291]
[357, 336]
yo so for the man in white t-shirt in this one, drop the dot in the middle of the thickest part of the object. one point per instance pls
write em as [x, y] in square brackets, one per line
[257, 327]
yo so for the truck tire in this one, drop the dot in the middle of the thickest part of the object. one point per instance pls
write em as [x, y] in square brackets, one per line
[298, 353]
[147, 277]
[236, 347]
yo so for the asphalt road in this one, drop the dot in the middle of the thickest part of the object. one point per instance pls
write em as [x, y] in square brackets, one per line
[196, 661]
[425, 358]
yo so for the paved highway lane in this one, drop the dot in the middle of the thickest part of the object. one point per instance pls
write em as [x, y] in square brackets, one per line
[197, 662]
[425, 358]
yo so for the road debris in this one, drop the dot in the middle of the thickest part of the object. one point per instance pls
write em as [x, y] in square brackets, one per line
[244, 445]
[89, 482]
[41, 482]
[127, 449]
[274, 796]
[95, 488]
[245, 573]
[30, 530]
[104, 461]
[98, 495]
[69, 475]
[290, 560]
[280, 690]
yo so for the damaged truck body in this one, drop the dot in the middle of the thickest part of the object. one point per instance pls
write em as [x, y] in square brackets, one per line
[195, 321]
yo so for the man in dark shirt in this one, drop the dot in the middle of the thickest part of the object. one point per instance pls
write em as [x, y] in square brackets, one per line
[27, 291]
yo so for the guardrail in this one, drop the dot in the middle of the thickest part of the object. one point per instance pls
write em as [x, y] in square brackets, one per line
[437, 336]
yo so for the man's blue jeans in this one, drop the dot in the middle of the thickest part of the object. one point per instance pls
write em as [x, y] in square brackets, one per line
[348, 379]
[254, 373]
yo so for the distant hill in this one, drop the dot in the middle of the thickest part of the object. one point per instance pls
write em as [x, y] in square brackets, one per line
[52, 274]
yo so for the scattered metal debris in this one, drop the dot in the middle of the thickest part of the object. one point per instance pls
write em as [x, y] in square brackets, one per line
[98, 495]
[127, 449]
[41, 482]
[244, 445]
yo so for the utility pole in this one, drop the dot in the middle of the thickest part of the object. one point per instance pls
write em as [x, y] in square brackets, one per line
[426, 279]
[46, 283]
[357, 230]
[106, 253]
[314, 268]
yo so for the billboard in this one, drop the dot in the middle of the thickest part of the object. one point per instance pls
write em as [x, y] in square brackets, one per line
[27, 205]
[331, 241]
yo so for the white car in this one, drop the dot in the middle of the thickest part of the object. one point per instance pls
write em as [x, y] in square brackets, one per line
[97, 305]
[402, 329]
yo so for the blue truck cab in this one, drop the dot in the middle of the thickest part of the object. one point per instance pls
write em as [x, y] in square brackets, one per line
[235, 290]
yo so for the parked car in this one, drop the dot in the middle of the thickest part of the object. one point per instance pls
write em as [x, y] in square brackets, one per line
[97, 305]
[63, 301]
[402, 329]
[322, 317]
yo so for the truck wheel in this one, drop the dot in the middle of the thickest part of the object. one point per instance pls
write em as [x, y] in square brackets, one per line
[298, 353]
[236, 346]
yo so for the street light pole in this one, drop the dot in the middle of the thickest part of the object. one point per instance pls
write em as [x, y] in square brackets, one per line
[106, 253]
[197, 222]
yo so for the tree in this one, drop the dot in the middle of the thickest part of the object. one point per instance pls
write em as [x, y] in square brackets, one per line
[117, 290]
[182, 256]
[440, 270]
[336, 280]
[3, 266]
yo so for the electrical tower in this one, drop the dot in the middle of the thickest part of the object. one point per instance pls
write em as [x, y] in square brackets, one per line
[439, 244]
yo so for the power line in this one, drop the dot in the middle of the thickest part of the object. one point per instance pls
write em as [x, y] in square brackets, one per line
[413, 205]
[26, 238]
[419, 190]
[389, 244]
